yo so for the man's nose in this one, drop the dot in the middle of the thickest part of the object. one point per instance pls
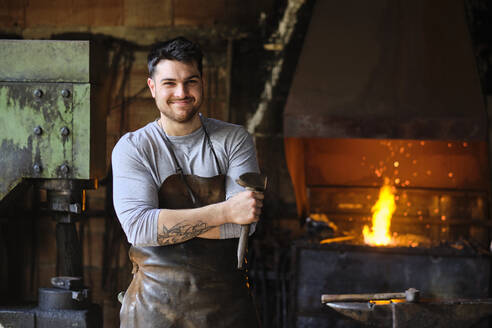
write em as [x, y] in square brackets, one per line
[180, 91]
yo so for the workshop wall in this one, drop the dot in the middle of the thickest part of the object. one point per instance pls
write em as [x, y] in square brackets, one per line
[250, 47]
[25, 14]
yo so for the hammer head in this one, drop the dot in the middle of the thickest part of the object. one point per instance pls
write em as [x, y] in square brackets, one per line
[255, 181]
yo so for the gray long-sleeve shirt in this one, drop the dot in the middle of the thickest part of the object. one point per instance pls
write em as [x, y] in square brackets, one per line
[141, 162]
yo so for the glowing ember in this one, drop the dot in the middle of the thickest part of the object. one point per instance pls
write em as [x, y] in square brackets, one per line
[381, 219]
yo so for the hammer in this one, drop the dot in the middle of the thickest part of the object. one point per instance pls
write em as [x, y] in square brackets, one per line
[410, 295]
[254, 182]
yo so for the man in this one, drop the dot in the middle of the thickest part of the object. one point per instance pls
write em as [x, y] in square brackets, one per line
[176, 198]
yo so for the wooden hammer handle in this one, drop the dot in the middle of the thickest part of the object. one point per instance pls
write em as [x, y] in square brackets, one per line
[253, 182]
[242, 245]
[360, 297]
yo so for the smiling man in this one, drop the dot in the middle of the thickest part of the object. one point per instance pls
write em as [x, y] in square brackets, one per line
[177, 201]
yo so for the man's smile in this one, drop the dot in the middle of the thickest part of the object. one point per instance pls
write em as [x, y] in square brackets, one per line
[183, 101]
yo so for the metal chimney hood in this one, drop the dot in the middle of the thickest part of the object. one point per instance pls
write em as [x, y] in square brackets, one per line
[400, 69]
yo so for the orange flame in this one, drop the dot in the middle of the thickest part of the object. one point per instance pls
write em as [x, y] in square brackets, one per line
[381, 218]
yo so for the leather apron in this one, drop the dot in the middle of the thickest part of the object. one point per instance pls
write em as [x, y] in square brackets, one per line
[194, 283]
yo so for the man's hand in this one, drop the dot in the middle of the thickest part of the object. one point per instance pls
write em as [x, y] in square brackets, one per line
[244, 207]
[176, 226]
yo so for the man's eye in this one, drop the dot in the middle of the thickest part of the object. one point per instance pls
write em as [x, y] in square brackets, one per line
[192, 81]
[169, 84]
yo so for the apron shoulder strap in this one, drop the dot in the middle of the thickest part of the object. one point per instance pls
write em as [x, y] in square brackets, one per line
[211, 145]
[179, 170]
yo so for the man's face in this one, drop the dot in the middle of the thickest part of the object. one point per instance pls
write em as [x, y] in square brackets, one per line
[178, 89]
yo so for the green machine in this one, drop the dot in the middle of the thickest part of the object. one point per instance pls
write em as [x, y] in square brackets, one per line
[45, 125]
[48, 139]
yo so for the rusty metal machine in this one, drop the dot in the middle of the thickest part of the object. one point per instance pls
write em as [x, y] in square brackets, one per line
[47, 136]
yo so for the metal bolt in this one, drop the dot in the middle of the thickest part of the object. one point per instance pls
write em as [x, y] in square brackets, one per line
[64, 131]
[37, 168]
[38, 93]
[64, 168]
[77, 295]
[38, 130]
[75, 208]
[65, 93]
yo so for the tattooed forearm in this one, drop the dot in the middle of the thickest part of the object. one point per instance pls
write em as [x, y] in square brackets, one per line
[182, 231]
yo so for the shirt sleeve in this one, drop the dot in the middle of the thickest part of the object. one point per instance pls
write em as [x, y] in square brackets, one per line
[242, 159]
[134, 194]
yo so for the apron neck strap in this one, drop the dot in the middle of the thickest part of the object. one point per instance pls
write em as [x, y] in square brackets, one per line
[210, 144]
[179, 170]
[169, 145]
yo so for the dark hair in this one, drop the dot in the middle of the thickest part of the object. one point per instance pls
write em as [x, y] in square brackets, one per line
[180, 49]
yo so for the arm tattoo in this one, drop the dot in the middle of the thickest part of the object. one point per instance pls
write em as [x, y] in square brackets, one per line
[182, 231]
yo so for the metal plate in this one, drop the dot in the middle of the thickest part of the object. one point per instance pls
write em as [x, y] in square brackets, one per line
[18, 318]
[387, 69]
[21, 147]
[38, 318]
[44, 88]
[44, 60]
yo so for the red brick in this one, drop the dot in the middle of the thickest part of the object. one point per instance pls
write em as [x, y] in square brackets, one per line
[147, 13]
[105, 12]
[77, 13]
[199, 12]
[96, 199]
[113, 122]
[140, 112]
[247, 12]
[111, 313]
[12, 13]
[111, 141]
[124, 260]
[215, 94]
[92, 279]
[45, 273]
[46, 242]
[93, 245]
[137, 82]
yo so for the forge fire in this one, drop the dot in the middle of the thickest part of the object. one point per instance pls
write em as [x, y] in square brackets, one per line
[395, 193]
[383, 210]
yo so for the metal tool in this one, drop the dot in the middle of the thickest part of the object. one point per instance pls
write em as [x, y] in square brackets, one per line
[410, 295]
[254, 182]
[427, 313]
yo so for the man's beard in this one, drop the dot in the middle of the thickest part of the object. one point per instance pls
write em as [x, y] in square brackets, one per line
[171, 115]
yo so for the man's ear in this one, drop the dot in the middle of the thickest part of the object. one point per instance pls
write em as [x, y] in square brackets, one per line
[151, 84]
